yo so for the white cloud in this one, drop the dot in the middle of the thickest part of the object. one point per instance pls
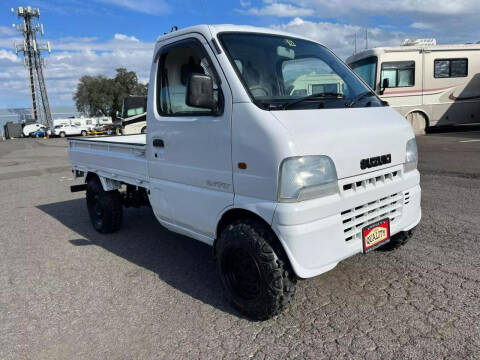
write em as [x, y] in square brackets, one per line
[8, 55]
[71, 59]
[151, 7]
[125, 37]
[386, 7]
[277, 9]
[343, 43]
[420, 26]
[7, 31]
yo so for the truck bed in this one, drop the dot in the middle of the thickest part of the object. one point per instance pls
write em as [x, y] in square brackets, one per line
[119, 158]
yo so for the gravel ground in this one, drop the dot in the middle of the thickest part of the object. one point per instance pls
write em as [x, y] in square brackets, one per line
[69, 292]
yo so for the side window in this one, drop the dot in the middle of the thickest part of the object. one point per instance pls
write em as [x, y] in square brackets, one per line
[398, 73]
[450, 68]
[176, 65]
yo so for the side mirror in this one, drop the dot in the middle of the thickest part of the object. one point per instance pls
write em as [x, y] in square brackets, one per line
[200, 91]
[385, 85]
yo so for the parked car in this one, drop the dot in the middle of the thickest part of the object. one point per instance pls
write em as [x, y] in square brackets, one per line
[42, 132]
[70, 130]
[281, 185]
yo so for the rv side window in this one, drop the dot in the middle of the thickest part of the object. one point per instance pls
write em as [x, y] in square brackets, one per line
[451, 68]
[398, 73]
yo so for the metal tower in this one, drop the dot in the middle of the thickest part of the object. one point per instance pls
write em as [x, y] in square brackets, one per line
[31, 50]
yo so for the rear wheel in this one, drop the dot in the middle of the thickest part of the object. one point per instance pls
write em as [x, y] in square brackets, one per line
[418, 122]
[83, 133]
[254, 270]
[144, 130]
[104, 207]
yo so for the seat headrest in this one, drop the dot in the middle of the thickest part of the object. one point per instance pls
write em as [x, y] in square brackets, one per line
[188, 69]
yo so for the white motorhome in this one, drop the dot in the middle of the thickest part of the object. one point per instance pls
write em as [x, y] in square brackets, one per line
[84, 122]
[280, 185]
[429, 84]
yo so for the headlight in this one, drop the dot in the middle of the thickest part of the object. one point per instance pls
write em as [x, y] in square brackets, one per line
[411, 157]
[306, 177]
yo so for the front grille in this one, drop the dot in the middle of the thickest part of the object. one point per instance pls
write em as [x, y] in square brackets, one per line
[374, 181]
[355, 219]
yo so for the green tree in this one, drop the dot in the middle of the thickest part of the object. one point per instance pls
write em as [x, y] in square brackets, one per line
[102, 96]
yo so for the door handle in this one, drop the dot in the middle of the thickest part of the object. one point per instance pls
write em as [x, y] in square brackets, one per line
[158, 143]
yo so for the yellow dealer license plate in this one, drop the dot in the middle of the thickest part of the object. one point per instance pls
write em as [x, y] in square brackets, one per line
[375, 235]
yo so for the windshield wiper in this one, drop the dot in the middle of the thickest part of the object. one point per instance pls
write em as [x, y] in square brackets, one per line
[360, 97]
[314, 96]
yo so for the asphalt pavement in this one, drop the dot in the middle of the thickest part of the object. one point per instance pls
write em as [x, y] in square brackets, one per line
[68, 292]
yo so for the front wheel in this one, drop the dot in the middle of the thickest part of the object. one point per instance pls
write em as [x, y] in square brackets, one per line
[83, 133]
[62, 134]
[254, 270]
[104, 207]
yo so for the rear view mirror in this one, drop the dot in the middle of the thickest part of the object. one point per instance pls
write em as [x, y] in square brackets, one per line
[284, 52]
[385, 85]
[200, 91]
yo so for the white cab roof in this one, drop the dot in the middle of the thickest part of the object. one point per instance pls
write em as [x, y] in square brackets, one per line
[213, 30]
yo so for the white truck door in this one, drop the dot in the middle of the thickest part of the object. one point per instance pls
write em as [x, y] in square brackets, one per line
[189, 149]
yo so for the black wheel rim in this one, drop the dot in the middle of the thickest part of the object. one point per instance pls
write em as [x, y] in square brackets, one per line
[97, 211]
[242, 273]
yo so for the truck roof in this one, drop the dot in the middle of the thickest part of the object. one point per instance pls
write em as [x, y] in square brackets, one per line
[411, 48]
[210, 30]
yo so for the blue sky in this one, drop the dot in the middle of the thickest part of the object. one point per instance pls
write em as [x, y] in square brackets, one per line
[96, 36]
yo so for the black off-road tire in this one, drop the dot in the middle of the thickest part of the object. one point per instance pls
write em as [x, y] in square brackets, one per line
[104, 207]
[397, 240]
[252, 246]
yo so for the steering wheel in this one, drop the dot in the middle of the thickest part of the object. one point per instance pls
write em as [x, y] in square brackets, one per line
[259, 90]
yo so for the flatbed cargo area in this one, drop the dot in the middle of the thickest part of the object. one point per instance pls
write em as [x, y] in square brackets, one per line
[137, 139]
[119, 158]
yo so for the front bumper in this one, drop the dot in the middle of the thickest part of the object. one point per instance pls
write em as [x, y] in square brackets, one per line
[317, 234]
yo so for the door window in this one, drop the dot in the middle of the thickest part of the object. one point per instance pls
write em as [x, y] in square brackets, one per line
[177, 63]
[398, 73]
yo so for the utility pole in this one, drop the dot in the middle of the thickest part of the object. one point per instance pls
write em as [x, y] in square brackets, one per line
[31, 50]
[366, 38]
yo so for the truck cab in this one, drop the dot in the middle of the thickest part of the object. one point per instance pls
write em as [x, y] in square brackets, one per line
[282, 184]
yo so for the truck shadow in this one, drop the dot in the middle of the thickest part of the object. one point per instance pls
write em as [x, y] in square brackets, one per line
[182, 262]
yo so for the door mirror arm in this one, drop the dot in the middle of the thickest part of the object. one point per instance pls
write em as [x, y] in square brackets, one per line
[385, 85]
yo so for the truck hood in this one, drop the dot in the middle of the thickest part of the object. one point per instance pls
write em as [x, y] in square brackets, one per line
[348, 135]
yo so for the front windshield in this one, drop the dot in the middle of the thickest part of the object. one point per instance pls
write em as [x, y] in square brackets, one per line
[367, 70]
[278, 71]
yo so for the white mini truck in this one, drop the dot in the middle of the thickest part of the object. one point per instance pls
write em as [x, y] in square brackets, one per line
[283, 180]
